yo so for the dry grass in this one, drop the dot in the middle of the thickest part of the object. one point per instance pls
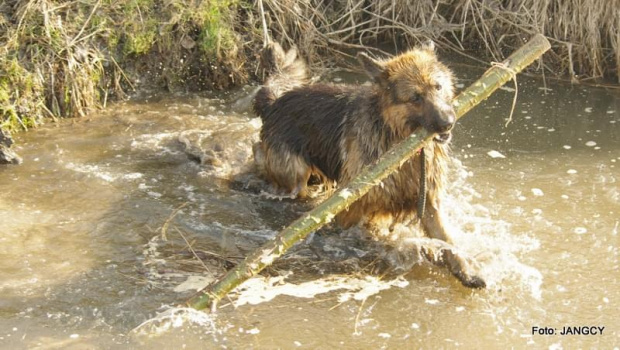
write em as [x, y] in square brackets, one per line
[585, 34]
[50, 67]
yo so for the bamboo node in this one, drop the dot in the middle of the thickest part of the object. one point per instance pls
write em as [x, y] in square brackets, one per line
[329, 217]
[267, 257]
[345, 193]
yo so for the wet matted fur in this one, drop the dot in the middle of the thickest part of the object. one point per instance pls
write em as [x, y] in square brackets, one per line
[333, 131]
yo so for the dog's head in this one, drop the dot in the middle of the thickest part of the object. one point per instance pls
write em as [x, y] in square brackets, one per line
[416, 91]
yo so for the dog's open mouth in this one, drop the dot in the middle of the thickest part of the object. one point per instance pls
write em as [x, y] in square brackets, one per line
[443, 138]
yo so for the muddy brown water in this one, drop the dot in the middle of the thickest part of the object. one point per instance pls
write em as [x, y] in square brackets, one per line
[94, 256]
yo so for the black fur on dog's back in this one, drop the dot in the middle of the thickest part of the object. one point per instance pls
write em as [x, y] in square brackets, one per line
[317, 138]
[264, 98]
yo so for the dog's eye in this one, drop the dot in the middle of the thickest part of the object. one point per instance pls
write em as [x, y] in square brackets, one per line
[438, 87]
[416, 98]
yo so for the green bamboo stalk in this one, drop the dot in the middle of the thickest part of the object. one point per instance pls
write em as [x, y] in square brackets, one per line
[262, 257]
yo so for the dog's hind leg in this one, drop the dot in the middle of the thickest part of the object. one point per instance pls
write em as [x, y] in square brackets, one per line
[287, 171]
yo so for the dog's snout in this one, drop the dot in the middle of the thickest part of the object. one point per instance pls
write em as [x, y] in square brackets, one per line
[445, 122]
[439, 117]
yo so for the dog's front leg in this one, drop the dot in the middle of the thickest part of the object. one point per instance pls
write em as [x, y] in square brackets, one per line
[458, 265]
[433, 224]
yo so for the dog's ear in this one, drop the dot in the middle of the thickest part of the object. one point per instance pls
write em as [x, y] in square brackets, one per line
[428, 45]
[290, 57]
[375, 69]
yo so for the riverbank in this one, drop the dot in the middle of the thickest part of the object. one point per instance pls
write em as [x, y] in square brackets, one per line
[64, 58]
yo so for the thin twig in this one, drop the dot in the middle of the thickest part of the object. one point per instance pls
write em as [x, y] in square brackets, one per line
[189, 246]
[266, 39]
[164, 227]
[357, 317]
[75, 38]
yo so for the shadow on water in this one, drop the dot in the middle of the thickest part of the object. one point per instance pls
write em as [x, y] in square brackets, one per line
[84, 258]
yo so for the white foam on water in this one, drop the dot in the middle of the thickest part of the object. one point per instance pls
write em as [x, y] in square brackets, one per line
[152, 141]
[102, 173]
[263, 289]
[488, 239]
[495, 154]
[93, 170]
[175, 317]
[194, 283]
[261, 233]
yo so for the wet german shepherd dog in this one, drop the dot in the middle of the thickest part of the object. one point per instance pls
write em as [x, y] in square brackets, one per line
[331, 132]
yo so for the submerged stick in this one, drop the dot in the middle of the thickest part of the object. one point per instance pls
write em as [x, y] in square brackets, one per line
[262, 257]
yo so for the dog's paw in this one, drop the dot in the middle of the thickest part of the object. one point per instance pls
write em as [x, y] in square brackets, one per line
[461, 267]
[472, 281]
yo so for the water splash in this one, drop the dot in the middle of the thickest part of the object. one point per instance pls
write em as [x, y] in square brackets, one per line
[176, 317]
[480, 233]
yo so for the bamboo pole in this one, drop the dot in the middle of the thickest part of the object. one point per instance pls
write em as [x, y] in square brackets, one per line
[262, 257]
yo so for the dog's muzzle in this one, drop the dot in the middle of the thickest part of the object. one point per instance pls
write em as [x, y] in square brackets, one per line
[443, 126]
[443, 138]
[443, 130]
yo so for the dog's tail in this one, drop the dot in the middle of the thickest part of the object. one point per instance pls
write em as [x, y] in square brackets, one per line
[285, 71]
